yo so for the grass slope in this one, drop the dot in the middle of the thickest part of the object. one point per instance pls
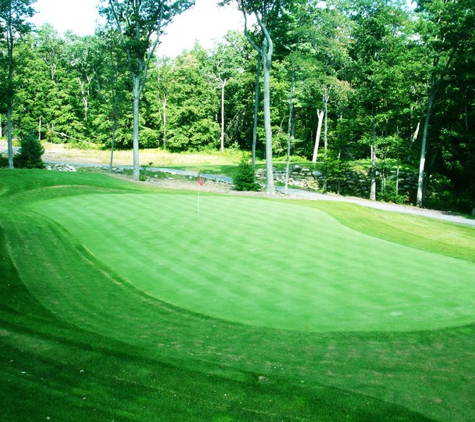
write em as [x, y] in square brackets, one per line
[79, 342]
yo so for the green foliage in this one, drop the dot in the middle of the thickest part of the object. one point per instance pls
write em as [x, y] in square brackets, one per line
[30, 154]
[370, 63]
[3, 161]
[145, 172]
[245, 178]
[389, 194]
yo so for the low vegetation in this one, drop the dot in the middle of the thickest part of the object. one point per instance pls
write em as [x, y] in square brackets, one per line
[244, 178]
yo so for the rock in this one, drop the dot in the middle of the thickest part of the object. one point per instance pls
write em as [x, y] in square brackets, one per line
[61, 167]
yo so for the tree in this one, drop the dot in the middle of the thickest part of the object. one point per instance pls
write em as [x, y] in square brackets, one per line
[227, 63]
[164, 78]
[13, 15]
[84, 62]
[445, 28]
[267, 14]
[110, 88]
[193, 103]
[140, 24]
[245, 178]
[317, 42]
[379, 60]
[30, 153]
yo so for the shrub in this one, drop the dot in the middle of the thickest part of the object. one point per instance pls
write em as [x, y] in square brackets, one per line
[30, 153]
[245, 178]
[3, 160]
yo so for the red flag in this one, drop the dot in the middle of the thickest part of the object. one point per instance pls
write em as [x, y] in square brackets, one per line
[200, 180]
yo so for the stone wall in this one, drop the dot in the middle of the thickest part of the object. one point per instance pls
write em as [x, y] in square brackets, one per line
[345, 181]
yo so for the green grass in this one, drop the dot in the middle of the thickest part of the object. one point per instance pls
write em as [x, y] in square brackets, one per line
[271, 264]
[80, 340]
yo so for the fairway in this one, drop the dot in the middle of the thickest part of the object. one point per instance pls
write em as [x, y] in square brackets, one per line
[267, 263]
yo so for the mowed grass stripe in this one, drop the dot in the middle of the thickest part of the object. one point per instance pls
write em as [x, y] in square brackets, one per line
[268, 263]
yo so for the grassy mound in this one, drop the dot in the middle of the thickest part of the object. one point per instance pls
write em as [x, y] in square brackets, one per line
[82, 339]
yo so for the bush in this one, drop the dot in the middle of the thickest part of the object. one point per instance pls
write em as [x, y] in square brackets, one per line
[245, 178]
[30, 154]
[390, 195]
[3, 160]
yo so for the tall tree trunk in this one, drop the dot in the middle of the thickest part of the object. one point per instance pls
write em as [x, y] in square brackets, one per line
[398, 167]
[256, 110]
[325, 133]
[10, 92]
[10, 135]
[136, 94]
[416, 132]
[372, 195]
[422, 160]
[114, 127]
[164, 122]
[265, 50]
[267, 60]
[289, 132]
[223, 85]
[318, 135]
[84, 94]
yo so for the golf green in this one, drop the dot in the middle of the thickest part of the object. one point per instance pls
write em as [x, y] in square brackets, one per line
[267, 263]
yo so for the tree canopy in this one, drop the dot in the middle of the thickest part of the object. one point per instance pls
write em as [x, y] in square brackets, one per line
[382, 84]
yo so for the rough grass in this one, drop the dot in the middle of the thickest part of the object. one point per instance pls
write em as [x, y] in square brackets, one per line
[78, 342]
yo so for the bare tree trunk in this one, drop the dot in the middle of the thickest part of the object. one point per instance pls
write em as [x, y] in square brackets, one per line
[325, 133]
[422, 160]
[164, 122]
[10, 136]
[267, 59]
[85, 95]
[398, 166]
[318, 135]
[265, 50]
[372, 195]
[114, 128]
[256, 110]
[10, 93]
[136, 94]
[325, 155]
[289, 132]
[223, 85]
[416, 132]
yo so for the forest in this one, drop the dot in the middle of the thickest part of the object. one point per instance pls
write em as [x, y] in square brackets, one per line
[383, 83]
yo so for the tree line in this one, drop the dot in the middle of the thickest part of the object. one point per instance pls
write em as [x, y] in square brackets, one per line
[332, 82]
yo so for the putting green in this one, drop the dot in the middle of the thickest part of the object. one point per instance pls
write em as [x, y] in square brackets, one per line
[267, 263]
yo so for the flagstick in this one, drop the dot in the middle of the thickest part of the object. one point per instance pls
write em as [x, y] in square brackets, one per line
[199, 186]
[200, 183]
